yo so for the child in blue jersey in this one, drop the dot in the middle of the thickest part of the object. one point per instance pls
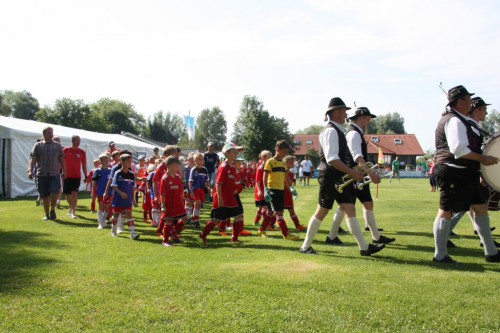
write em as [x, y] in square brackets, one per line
[124, 187]
[198, 182]
[99, 182]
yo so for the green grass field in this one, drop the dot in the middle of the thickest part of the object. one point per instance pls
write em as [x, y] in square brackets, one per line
[67, 276]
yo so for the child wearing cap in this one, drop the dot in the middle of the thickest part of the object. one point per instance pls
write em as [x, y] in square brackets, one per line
[172, 201]
[224, 203]
[274, 186]
[198, 182]
[124, 187]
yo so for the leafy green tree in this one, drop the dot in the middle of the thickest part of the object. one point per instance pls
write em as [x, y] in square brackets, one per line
[20, 103]
[391, 123]
[256, 129]
[492, 122]
[117, 116]
[211, 126]
[66, 112]
[5, 109]
[166, 127]
[311, 130]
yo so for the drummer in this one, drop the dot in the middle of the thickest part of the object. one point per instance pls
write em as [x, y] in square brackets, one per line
[477, 114]
[457, 172]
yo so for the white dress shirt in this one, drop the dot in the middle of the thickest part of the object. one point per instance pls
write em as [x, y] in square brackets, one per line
[456, 136]
[354, 143]
[329, 141]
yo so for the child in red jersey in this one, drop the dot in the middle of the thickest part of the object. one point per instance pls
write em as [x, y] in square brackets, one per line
[251, 174]
[224, 204]
[288, 195]
[239, 189]
[88, 180]
[259, 188]
[172, 200]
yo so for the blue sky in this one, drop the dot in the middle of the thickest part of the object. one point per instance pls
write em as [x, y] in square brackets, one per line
[182, 56]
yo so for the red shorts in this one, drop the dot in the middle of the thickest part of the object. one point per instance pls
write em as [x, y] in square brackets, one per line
[120, 209]
[105, 202]
[288, 200]
[199, 195]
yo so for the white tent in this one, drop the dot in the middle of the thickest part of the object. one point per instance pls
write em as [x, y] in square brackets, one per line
[18, 136]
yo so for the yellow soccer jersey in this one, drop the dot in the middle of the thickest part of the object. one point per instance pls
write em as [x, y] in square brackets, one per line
[277, 170]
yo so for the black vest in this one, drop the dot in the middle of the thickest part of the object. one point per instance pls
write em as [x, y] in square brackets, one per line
[364, 148]
[344, 153]
[443, 154]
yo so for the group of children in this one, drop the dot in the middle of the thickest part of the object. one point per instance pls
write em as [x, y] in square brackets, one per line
[174, 190]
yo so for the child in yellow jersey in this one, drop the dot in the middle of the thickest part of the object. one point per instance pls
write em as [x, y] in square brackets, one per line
[274, 188]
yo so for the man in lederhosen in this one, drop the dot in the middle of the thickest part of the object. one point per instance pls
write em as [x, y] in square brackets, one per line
[358, 156]
[334, 154]
[457, 172]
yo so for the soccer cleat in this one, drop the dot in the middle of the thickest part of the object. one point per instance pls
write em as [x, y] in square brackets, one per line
[335, 241]
[493, 258]
[134, 236]
[166, 244]
[383, 240]
[245, 233]
[52, 215]
[446, 260]
[372, 249]
[46, 218]
[309, 250]
[222, 233]
[261, 233]
[301, 227]
[292, 237]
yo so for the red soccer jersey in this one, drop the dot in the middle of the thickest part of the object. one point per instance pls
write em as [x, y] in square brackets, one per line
[160, 171]
[259, 177]
[239, 185]
[226, 176]
[74, 158]
[287, 195]
[173, 195]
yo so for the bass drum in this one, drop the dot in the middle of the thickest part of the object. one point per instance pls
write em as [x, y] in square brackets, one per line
[491, 174]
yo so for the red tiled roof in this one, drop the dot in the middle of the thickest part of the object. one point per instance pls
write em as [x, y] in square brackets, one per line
[409, 144]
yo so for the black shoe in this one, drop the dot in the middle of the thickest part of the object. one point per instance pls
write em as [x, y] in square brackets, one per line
[342, 231]
[309, 250]
[453, 234]
[335, 241]
[495, 242]
[492, 228]
[495, 258]
[372, 249]
[379, 229]
[450, 244]
[384, 240]
[445, 260]
[52, 215]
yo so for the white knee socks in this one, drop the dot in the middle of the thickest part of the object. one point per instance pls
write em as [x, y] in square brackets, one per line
[312, 230]
[353, 225]
[337, 219]
[441, 234]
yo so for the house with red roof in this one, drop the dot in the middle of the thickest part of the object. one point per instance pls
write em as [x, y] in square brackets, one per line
[405, 146]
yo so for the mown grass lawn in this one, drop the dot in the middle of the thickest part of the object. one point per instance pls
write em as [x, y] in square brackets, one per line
[67, 276]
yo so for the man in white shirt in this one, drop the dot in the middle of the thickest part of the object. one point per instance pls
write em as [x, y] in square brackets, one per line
[359, 153]
[334, 154]
[307, 169]
[457, 172]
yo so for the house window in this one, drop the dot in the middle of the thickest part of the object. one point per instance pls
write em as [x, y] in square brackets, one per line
[375, 139]
[398, 141]
[309, 142]
[296, 142]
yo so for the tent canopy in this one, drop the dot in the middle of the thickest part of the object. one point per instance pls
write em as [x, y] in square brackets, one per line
[18, 136]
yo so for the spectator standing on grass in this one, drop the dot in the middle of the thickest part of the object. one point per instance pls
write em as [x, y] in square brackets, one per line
[307, 169]
[76, 161]
[49, 158]
[395, 169]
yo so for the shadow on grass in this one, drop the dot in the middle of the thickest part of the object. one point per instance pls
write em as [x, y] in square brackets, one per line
[21, 254]
[75, 223]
